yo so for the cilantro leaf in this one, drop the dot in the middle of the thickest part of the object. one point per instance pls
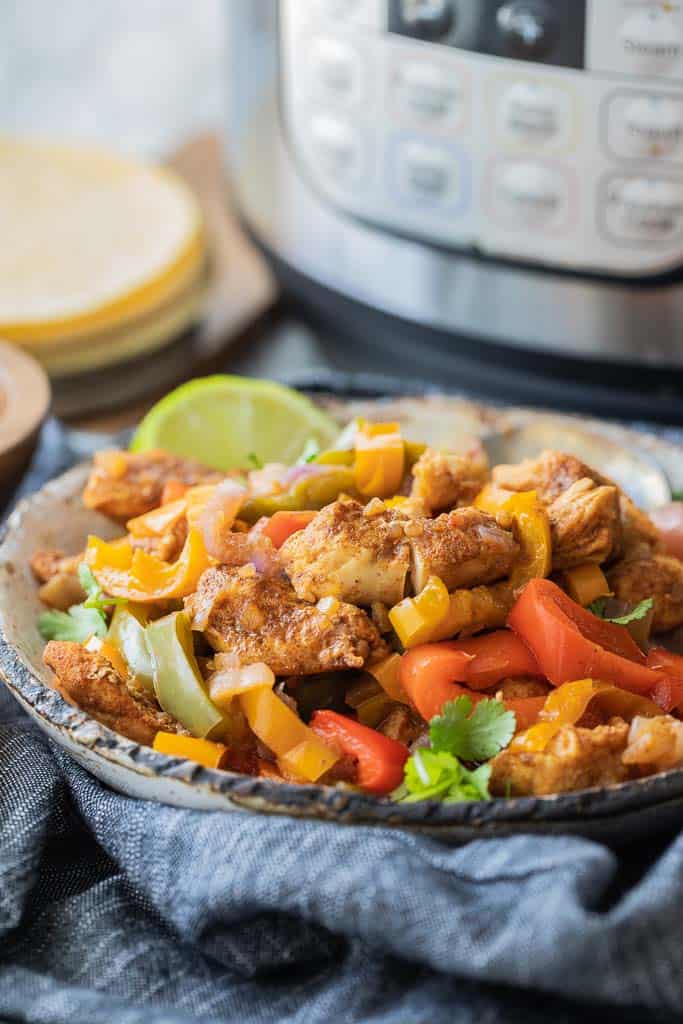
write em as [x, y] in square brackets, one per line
[636, 614]
[95, 596]
[310, 452]
[256, 462]
[437, 775]
[472, 735]
[76, 625]
[677, 496]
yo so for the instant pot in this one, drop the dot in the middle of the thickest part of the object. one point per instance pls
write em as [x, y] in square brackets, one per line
[507, 176]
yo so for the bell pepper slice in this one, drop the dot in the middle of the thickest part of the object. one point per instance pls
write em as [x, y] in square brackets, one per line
[211, 755]
[387, 673]
[432, 674]
[380, 464]
[159, 521]
[138, 576]
[570, 643]
[495, 656]
[282, 525]
[669, 690]
[586, 583]
[532, 530]
[127, 634]
[178, 683]
[308, 760]
[173, 490]
[416, 618]
[568, 703]
[312, 492]
[380, 759]
[276, 725]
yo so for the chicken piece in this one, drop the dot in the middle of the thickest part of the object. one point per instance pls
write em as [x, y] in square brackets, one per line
[94, 685]
[442, 481]
[402, 724]
[519, 687]
[262, 619]
[585, 525]
[575, 758]
[654, 744]
[657, 576]
[464, 548]
[124, 485]
[168, 546]
[356, 554]
[59, 575]
[554, 473]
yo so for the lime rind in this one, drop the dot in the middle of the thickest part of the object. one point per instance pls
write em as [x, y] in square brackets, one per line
[219, 420]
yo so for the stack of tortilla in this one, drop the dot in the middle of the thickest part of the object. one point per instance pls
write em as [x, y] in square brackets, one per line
[103, 257]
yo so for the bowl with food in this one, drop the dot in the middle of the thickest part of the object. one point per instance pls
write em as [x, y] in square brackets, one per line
[354, 613]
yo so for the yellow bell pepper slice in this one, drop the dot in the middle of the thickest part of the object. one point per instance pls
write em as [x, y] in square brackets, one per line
[178, 683]
[211, 755]
[532, 530]
[568, 703]
[309, 760]
[386, 672]
[138, 576]
[380, 463]
[282, 730]
[586, 583]
[415, 619]
[159, 521]
[368, 429]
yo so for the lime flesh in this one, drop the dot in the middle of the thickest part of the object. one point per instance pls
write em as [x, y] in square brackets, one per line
[231, 422]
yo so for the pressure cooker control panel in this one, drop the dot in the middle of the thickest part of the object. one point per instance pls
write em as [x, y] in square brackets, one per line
[541, 130]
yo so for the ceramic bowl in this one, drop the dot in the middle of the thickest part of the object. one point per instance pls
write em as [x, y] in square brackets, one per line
[55, 517]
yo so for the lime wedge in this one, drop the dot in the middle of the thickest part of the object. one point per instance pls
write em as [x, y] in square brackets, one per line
[231, 422]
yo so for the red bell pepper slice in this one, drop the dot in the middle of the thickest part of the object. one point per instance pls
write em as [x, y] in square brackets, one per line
[571, 643]
[670, 689]
[282, 525]
[496, 656]
[380, 759]
[428, 675]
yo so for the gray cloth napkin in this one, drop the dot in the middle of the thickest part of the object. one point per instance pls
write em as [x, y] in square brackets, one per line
[117, 910]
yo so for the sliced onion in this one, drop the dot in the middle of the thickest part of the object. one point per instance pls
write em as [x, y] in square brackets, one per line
[230, 678]
[218, 516]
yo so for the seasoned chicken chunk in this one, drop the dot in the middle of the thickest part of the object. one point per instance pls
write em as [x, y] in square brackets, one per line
[654, 744]
[605, 524]
[585, 525]
[262, 619]
[59, 575]
[575, 758]
[356, 554]
[657, 576]
[464, 547]
[123, 485]
[92, 683]
[442, 480]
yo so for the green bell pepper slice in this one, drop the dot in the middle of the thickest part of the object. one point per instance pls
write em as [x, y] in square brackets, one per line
[178, 683]
[128, 635]
[312, 492]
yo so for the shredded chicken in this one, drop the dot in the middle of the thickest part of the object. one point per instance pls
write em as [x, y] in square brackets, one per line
[45, 565]
[517, 688]
[58, 574]
[575, 758]
[168, 546]
[124, 485]
[657, 576]
[464, 547]
[654, 744]
[402, 724]
[91, 682]
[349, 552]
[442, 481]
[262, 619]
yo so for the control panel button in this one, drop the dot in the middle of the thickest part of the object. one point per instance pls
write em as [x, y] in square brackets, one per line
[652, 126]
[528, 28]
[644, 209]
[531, 112]
[426, 19]
[651, 39]
[426, 91]
[530, 194]
[337, 147]
[336, 70]
[427, 172]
